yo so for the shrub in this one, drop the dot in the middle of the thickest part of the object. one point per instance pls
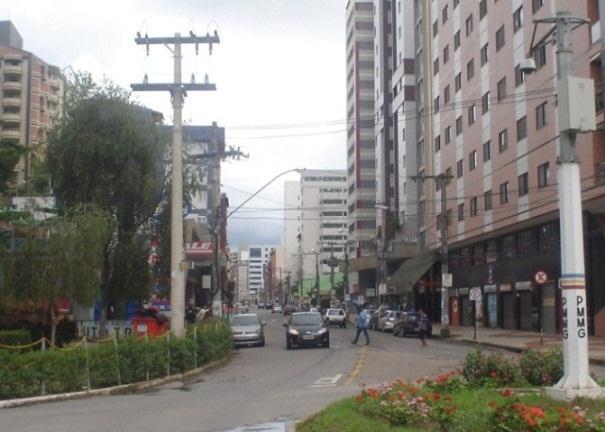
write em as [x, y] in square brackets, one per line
[542, 367]
[491, 370]
[15, 337]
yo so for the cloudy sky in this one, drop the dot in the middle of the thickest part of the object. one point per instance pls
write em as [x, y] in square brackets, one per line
[279, 71]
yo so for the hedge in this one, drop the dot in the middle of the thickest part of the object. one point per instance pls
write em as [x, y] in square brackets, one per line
[15, 337]
[129, 360]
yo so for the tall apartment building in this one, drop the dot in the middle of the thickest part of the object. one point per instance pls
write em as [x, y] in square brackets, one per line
[31, 99]
[258, 264]
[315, 222]
[361, 149]
[476, 117]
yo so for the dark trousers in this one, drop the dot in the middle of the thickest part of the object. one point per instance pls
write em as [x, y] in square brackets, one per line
[365, 332]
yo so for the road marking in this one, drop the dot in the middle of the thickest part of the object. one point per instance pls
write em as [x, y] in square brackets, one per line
[361, 359]
[326, 381]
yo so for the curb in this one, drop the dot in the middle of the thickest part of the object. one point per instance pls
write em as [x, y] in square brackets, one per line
[116, 390]
[453, 340]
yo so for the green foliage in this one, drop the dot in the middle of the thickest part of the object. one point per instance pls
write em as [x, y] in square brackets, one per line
[491, 369]
[542, 367]
[65, 370]
[10, 153]
[15, 337]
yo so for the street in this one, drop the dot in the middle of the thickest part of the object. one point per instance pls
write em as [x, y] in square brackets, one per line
[259, 385]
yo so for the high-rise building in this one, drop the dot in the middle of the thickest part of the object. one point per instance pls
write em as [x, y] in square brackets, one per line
[31, 99]
[258, 264]
[361, 149]
[292, 229]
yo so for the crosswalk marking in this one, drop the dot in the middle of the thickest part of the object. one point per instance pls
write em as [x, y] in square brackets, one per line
[326, 381]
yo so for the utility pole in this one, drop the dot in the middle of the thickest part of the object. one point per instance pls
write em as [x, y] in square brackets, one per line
[442, 181]
[577, 93]
[332, 265]
[317, 297]
[178, 91]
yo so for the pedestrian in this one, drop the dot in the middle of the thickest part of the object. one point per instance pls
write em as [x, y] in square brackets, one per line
[423, 325]
[362, 322]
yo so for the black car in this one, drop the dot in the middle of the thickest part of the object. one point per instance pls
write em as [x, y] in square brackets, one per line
[307, 329]
[407, 324]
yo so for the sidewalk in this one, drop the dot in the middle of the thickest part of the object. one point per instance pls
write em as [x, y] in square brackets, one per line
[516, 340]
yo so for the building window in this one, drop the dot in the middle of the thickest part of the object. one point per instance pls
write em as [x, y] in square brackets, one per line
[437, 143]
[471, 114]
[537, 4]
[485, 103]
[448, 174]
[522, 128]
[548, 237]
[500, 38]
[435, 28]
[487, 200]
[469, 25]
[526, 243]
[470, 69]
[501, 89]
[473, 206]
[503, 193]
[436, 105]
[523, 184]
[460, 212]
[543, 175]
[519, 76]
[458, 125]
[457, 40]
[446, 54]
[540, 56]
[472, 160]
[458, 82]
[541, 116]
[487, 151]
[456, 3]
[508, 246]
[491, 252]
[503, 140]
[460, 168]
[448, 135]
[446, 94]
[444, 14]
[482, 9]
[484, 54]
[436, 66]
[518, 19]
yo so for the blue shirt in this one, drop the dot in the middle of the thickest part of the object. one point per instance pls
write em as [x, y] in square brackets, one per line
[362, 319]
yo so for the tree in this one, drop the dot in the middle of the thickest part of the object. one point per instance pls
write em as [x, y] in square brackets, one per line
[61, 257]
[108, 152]
[10, 153]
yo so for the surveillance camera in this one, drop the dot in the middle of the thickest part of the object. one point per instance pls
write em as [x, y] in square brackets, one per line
[527, 66]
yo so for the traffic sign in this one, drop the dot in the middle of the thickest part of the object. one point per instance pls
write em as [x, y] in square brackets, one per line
[540, 277]
[475, 294]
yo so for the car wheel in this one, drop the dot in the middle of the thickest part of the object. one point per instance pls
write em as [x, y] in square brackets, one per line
[327, 344]
[288, 345]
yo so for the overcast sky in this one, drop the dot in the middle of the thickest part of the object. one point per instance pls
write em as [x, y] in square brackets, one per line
[279, 71]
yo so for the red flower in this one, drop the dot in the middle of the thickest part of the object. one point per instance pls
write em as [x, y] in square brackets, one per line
[494, 374]
[507, 393]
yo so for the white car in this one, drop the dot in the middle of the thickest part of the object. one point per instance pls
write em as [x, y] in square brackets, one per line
[336, 317]
[276, 308]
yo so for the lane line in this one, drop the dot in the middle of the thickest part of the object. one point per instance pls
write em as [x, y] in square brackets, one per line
[358, 366]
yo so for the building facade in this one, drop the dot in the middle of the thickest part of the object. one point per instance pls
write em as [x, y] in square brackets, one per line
[31, 99]
[258, 264]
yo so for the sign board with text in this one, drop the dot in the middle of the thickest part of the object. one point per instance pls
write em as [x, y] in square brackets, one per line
[446, 280]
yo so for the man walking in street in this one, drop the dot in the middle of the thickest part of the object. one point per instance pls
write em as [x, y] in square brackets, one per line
[362, 322]
[423, 325]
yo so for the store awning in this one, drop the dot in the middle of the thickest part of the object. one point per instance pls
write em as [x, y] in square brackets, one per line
[199, 251]
[406, 276]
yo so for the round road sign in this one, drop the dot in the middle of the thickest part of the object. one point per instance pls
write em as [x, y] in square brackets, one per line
[541, 277]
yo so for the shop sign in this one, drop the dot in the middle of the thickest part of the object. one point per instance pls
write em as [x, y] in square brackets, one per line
[382, 288]
[490, 288]
[371, 292]
[523, 286]
[463, 291]
[347, 297]
[446, 280]
[506, 287]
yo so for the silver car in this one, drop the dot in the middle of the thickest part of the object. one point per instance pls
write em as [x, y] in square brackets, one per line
[247, 329]
[387, 321]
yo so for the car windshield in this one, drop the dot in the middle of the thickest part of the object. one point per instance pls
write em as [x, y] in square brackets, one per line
[306, 319]
[334, 312]
[244, 320]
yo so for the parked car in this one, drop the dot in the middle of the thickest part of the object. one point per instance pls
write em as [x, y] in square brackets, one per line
[336, 317]
[376, 316]
[307, 329]
[261, 305]
[276, 309]
[269, 304]
[247, 329]
[407, 324]
[387, 321]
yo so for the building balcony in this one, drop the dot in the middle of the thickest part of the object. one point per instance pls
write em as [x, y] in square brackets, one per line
[11, 118]
[11, 101]
[54, 82]
[12, 134]
[595, 32]
[9, 68]
[52, 98]
[12, 85]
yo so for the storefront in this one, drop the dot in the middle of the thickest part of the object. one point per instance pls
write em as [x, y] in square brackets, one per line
[507, 302]
[491, 305]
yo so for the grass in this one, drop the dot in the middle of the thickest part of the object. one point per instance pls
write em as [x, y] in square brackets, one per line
[343, 416]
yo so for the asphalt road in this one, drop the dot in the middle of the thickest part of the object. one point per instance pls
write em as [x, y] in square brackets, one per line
[259, 385]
